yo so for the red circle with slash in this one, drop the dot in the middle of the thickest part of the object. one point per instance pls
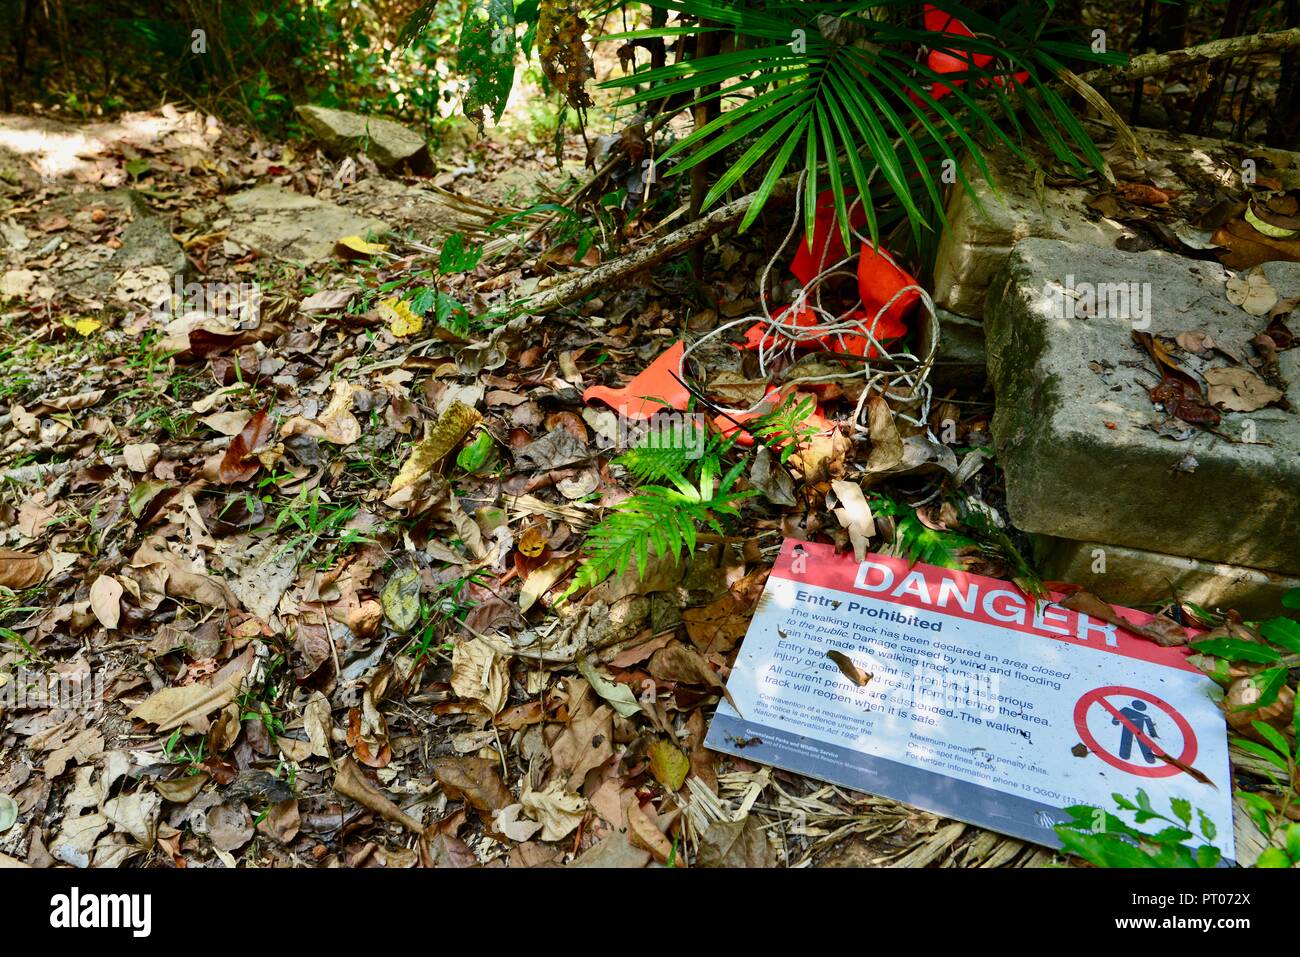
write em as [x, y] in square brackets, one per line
[1098, 696]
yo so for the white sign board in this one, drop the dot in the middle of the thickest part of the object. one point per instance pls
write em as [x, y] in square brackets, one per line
[982, 704]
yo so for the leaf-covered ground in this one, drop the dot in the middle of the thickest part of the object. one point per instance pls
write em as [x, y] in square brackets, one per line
[281, 578]
[254, 615]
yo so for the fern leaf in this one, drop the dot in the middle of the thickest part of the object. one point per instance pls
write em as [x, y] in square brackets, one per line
[654, 515]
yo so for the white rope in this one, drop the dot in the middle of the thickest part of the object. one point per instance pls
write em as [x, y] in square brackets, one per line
[783, 336]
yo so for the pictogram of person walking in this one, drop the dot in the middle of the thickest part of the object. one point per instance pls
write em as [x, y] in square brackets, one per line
[1137, 718]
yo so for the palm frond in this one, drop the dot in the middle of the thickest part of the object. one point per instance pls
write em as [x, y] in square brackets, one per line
[863, 114]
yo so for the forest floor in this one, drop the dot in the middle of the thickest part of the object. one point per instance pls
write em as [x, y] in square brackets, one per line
[198, 520]
[304, 649]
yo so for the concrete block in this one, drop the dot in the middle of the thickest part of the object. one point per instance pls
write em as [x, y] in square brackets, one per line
[986, 223]
[1075, 428]
[1139, 578]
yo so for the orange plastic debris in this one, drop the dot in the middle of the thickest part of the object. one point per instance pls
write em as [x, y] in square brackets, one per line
[727, 427]
[654, 390]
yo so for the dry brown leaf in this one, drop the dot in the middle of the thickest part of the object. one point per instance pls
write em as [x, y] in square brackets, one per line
[188, 705]
[718, 626]
[477, 781]
[1244, 692]
[854, 514]
[351, 783]
[68, 403]
[240, 462]
[679, 663]
[85, 747]
[105, 595]
[181, 790]
[318, 723]
[1239, 390]
[587, 743]
[849, 669]
[732, 844]
[886, 445]
[644, 833]
[336, 425]
[453, 425]
[1161, 630]
[480, 674]
[1194, 341]
[1252, 291]
[19, 570]
[558, 810]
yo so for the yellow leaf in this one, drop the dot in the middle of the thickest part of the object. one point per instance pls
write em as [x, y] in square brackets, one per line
[358, 246]
[534, 540]
[668, 764]
[87, 326]
[402, 320]
[453, 425]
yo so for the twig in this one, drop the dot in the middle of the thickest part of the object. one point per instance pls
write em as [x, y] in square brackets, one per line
[609, 274]
[1149, 64]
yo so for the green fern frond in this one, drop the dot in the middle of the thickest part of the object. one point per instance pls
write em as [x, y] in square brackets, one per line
[666, 519]
[786, 424]
[792, 94]
[665, 453]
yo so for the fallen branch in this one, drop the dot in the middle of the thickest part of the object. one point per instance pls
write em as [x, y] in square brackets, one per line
[1149, 64]
[608, 274]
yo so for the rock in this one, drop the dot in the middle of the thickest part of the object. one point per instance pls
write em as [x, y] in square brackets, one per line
[147, 242]
[389, 144]
[147, 262]
[287, 225]
[986, 224]
[1074, 425]
[1136, 577]
[430, 216]
[960, 358]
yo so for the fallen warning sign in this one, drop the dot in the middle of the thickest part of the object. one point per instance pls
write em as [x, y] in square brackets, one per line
[958, 694]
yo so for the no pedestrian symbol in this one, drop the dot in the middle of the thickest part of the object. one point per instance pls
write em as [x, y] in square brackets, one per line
[1130, 729]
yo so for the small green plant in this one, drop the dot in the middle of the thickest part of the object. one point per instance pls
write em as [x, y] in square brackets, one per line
[916, 541]
[317, 520]
[1265, 813]
[176, 750]
[665, 517]
[1103, 840]
[450, 606]
[786, 426]
[1265, 654]
[456, 256]
[259, 703]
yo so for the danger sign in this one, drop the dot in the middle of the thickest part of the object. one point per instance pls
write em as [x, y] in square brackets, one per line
[962, 695]
[1131, 729]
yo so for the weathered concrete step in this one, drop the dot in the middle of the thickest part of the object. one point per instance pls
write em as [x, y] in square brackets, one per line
[1136, 577]
[1075, 426]
[986, 223]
